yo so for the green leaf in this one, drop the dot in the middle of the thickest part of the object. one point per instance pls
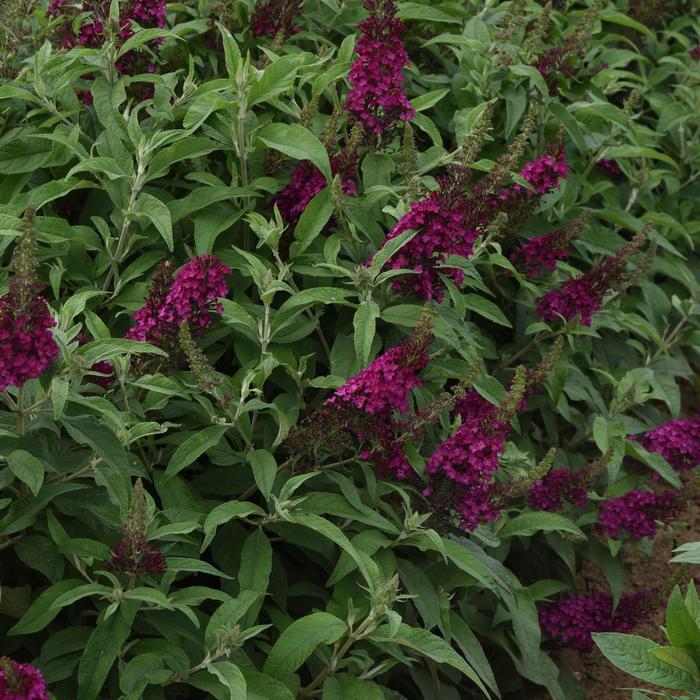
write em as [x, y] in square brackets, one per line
[633, 655]
[365, 322]
[486, 308]
[193, 448]
[102, 649]
[299, 641]
[195, 566]
[23, 155]
[264, 687]
[264, 470]
[186, 148]
[527, 524]
[225, 512]
[299, 143]
[429, 645]
[335, 534]
[314, 219]
[428, 99]
[27, 468]
[413, 10]
[681, 629]
[343, 686]
[41, 611]
[678, 658]
[158, 214]
[230, 677]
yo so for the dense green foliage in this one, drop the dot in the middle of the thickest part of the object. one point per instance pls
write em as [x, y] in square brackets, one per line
[295, 567]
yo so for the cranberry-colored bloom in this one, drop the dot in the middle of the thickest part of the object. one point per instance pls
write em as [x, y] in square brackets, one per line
[540, 253]
[305, 183]
[571, 620]
[276, 16]
[583, 296]
[559, 485]
[677, 441]
[574, 298]
[135, 555]
[637, 512]
[555, 64]
[196, 289]
[189, 297]
[21, 681]
[377, 97]
[463, 466]
[91, 33]
[695, 52]
[544, 173]
[148, 324]
[27, 346]
[445, 226]
[384, 386]
[609, 167]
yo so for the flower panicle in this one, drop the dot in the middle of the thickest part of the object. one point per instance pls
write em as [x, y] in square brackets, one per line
[206, 376]
[20, 681]
[134, 554]
[377, 97]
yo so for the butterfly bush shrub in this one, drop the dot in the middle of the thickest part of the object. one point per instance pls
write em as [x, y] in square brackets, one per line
[337, 338]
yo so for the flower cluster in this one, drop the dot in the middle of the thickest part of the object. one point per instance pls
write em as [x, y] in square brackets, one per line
[377, 97]
[571, 620]
[21, 681]
[608, 167]
[466, 463]
[677, 441]
[583, 296]
[384, 386]
[92, 31]
[448, 221]
[444, 227]
[555, 63]
[276, 18]
[557, 486]
[695, 52]
[544, 173]
[195, 291]
[370, 408]
[189, 297]
[637, 512]
[462, 468]
[27, 346]
[134, 554]
[306, 182]
[539, 254]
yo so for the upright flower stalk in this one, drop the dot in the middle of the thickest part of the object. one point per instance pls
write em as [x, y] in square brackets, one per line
[188, 296]
[21, 681]
[581, 297]
[27, 345]
[134, 555]
[377, 97]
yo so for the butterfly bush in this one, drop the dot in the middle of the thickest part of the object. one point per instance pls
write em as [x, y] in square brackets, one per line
[539, 254]
[377, 97]
[581, 297]
[27, 345]
[20, 681]
[188, 296]
[677, 441]
[572, 619]
[276, 18]
[637, 512]
[559, 485]
[133, 554]
[448, 222]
